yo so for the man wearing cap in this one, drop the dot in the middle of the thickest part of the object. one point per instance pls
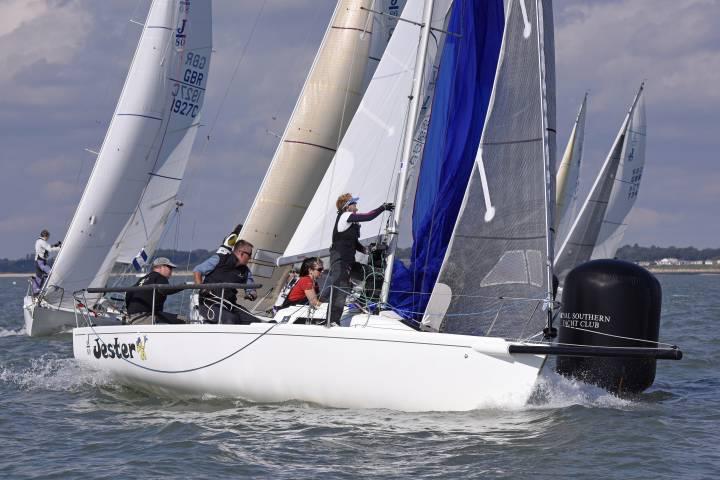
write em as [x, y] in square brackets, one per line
[140, 304]
[345, 242]
[42, 253]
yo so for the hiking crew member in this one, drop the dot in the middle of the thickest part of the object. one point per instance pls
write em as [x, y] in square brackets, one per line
[230, 268]
[345, 242]
[42, 253]
[140, 304]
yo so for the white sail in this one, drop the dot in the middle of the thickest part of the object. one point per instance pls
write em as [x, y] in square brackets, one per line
[149, 137]
[568, 176]
[368, 155]
[323, 111]
[584, 234]
[384, 21]
[626, 185]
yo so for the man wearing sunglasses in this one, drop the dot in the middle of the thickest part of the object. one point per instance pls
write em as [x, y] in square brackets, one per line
[230, 268]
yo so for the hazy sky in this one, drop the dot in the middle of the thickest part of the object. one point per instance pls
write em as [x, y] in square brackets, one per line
[63, 62]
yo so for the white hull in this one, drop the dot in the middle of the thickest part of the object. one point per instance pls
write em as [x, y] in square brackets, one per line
[42, 319]
[347, 367]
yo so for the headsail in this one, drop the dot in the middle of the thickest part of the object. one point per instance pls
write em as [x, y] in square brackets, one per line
[366, 159]
[614, 184]
[467, 71]
[568, 176]
[150, 134]
[502, 242]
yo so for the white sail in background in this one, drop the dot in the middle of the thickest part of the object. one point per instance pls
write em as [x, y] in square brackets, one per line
[568, 176]
[368, 156]
[626, 186]
[149, 137]
[323, 111]
[585, 232]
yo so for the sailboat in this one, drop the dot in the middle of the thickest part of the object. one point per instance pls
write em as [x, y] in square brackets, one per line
[600, 225]
[568, 176]
[479, 349]
[132, 188]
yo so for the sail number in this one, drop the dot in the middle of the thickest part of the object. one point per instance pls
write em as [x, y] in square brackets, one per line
[187, 96]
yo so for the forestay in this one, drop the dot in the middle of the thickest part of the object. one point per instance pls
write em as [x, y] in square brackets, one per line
[502, 241]
[568, 176]
[146, 146]
[368, 154]
[584, 234]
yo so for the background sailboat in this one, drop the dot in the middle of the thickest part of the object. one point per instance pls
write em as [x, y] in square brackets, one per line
[597, 231]
[568, 177]
[141, 162]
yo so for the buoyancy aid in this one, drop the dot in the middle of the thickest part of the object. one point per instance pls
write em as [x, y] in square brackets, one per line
[227, 271]
[345, 243]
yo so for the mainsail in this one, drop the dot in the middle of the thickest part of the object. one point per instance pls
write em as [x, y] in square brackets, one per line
[626, 186]
[324, 109]
[146, 146]
[496, 268]
[611, 197]
[368, 154]
[568, 176]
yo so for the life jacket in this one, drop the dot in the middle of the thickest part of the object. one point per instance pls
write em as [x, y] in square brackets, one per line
[227, 271]
[44, 255]
[344, 243]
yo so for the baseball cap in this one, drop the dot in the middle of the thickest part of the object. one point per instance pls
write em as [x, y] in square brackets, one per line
[163, 261]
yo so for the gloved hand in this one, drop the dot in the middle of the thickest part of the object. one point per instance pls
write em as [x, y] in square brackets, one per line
[58, 244]
[252, 296]
[388, 207]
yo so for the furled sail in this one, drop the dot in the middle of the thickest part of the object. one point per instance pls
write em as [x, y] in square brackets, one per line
[149, 137]
[323, 111]
[568, 176]
[613, 192]
[368, 154]
[464, 85]
[496, 268]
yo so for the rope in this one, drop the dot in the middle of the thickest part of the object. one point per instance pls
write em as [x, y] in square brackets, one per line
[201, 367]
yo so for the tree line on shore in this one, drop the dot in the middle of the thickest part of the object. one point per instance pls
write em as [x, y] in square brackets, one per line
[186, 260]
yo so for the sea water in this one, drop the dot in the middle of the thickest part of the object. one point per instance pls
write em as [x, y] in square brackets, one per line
[58, 420]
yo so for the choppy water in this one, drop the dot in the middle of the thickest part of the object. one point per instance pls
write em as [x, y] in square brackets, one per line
[58, 421]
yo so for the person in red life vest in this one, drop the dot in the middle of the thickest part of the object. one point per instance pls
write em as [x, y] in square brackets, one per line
[306, 290]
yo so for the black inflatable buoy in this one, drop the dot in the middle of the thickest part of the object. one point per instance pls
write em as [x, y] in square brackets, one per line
[601, 301]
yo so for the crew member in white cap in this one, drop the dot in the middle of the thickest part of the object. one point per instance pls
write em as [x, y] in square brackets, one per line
[140, 304]
[345, 242]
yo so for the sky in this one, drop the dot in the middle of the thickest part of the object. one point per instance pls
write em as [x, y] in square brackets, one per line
[63, 63]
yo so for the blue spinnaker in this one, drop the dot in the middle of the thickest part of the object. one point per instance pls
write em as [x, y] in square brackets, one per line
[462, 94]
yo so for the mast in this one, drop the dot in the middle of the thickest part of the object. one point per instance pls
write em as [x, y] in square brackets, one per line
[392, 231]
[548, 163]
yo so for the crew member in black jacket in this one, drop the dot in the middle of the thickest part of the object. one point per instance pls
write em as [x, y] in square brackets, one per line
[140, 304]
[345, 242]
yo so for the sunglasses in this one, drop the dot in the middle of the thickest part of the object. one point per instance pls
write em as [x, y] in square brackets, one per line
[319, 269]
[246, 253]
